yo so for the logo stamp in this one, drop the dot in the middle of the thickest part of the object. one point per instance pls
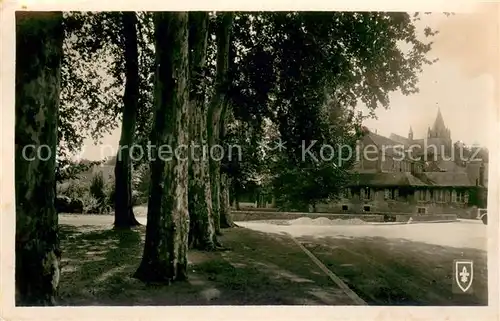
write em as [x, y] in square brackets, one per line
[463, 276]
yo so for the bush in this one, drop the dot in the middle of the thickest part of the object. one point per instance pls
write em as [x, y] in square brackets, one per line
[73, 189]
[92, 205]
[100, 195]
[110, 193]
[141, 178]
[97, 187]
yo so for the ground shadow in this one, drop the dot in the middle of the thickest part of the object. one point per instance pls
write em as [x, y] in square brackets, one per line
[267, 269]
[260, 269]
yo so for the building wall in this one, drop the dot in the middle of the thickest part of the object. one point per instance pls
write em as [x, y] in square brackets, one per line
[381, 201]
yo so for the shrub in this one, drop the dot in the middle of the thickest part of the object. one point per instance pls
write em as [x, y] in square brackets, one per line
[74, 189]
[141, 178]
[92, 205]
[97, 187]
[101, 194]
[110, 193]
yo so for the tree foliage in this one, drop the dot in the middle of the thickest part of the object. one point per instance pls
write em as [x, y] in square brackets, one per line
[289, 67]
[93, 71]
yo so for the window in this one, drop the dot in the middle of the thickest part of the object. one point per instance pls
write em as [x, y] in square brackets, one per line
[453, 196]
[421, 195]
[421, 210]
[366, 193]
[440, 196]
[345, 207]
[466, 197]
[366, 208]
[391, 194]
[461, 197]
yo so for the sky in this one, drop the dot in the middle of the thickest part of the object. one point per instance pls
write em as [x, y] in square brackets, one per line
[461, 84]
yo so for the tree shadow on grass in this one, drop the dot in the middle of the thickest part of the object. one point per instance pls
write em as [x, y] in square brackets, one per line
[400, 272]
[261, 269]
[270, 269]
[96, 263]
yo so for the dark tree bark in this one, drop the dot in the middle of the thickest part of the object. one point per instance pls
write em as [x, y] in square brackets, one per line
[216, 108]
[165, 250]
[202, 233]
[226, 220]
[124, 214]
[39, 38]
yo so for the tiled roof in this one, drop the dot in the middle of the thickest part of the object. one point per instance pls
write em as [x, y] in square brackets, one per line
[449, 166]
[385, 179]
[449, 179]
[380, 140]
[399, 139]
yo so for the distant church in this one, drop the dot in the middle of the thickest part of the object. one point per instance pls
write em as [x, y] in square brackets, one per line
[438, 139]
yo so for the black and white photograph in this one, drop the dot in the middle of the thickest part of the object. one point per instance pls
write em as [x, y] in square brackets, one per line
[242, 158]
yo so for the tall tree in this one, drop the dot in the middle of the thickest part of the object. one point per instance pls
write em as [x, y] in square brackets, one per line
[98, 62]
[217, 107]
[354, 57]
[165, 250]
[39, 37]
[91, 79]
[225, 179]
[202, 232]
[124, 215]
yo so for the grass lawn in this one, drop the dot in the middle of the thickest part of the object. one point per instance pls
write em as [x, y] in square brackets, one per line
[259, 269]
[266, 269]
[399, 272]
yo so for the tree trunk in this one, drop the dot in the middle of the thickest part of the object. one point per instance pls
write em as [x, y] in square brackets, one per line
[39, 38]
[165, 249]
[216, 108]
[202, 232]
[226, 220]
[124, 214]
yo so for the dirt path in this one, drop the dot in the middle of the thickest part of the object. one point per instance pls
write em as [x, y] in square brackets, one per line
[461, 234]
[397, 264]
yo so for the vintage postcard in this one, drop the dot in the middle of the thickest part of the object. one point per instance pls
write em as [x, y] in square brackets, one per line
[250, 160]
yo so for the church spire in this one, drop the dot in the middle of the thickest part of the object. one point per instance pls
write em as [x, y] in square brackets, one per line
[439, 129]
[410, 134]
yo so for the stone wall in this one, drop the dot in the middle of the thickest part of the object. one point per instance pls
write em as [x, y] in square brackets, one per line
[267, 215]
[239, 216]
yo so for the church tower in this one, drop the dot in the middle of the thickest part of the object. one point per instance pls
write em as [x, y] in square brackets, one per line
[410, 134]
[440, 137]
[439, 130]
